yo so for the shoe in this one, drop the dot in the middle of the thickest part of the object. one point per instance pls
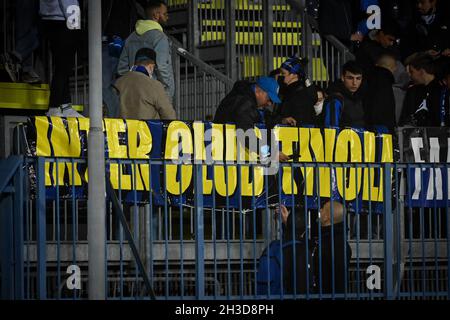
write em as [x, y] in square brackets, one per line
[10, 66]
[31, 77]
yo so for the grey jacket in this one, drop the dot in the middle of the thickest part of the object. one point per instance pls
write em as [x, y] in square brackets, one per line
[60, 10]
[149, 34]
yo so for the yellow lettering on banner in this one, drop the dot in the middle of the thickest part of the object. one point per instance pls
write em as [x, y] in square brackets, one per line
[353, 183]
[257, 182]
[68, 145]
[287, 136]
[370, 191]
[317, 146]
[139, 147]
[175, 131]
[225, 184]
[387, 156]
[305, 156]
[200, 155]
[117, 151]
[42, 143]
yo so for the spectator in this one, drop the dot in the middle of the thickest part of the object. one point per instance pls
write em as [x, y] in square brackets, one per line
[241, 105]
[334, 253]
[141, 97]
[344, 105]
[430, 29]
[62, 24]
[118, 21]
[321, 96]
[379, 100]
[423, 100]
[26, 40]
[297, 108]
[375, 45]
[149, 34]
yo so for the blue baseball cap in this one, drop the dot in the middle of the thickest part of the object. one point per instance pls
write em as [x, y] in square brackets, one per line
[270, 85]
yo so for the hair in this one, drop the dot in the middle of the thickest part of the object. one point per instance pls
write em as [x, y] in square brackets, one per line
[275, 73]
[421, 61]
[152, 6]
[338, 212]
[352, 67]
[145, 56]
[387, 60]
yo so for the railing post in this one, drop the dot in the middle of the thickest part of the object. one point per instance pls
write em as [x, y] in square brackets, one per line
[18, 232]
[41, 231]
[230, 40]
[194, 27]
[199, 234]
[388, 233]
[268, 35]
[6, 245]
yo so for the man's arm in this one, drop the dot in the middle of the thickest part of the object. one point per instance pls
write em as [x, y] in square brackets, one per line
[124, 66]
[164, 63]
[163, 104]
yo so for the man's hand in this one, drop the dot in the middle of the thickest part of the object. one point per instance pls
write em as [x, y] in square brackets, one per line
[282, 157]
[289, 121]
[284, 213]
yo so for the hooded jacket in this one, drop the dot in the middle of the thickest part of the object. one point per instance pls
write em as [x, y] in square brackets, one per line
[298, 103]
[150, 34]
[342, 108]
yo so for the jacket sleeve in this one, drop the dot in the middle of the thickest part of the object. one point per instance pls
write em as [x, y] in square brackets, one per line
[332, 110]
[164, 63]
[163, 104]
[124, 66]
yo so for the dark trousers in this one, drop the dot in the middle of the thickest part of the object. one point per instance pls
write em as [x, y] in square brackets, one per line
[63, 44]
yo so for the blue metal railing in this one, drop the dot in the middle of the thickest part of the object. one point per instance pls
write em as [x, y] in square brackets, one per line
[203, 252]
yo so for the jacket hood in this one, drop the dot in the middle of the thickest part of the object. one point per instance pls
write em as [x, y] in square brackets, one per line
[338, 88]
[243, 88]
[143, 26]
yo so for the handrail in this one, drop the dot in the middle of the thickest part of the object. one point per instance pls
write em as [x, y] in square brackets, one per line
[199, 63]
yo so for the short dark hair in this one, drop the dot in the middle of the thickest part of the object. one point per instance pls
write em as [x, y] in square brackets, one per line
[145, 56]
[152, 5]
[352, 67]
[421, 61]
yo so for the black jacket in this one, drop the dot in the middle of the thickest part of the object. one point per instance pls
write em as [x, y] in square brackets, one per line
[329, 259]
[415, 96]
[352, 113]
[379, 99]
[239, 107]
[118, 17]
[335, 18]
[298, 103]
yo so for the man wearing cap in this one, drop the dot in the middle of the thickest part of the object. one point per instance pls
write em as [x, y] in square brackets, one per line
[241, 105]
[141, 97]
[299, 99]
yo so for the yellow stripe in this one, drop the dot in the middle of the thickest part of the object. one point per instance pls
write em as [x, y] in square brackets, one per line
[255, 38]
[26, 96]
[253, 24]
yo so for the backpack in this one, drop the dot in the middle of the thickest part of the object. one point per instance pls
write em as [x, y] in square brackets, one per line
[269, 278]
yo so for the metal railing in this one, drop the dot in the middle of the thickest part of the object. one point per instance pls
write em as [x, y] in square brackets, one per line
[410, 246]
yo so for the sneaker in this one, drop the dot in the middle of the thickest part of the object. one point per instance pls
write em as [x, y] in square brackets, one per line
[31, 77]
[10, 66]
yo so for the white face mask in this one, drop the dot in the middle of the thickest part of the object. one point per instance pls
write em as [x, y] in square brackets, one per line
[318, 108]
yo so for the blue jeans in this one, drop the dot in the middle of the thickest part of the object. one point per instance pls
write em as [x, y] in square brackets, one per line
[109, 70]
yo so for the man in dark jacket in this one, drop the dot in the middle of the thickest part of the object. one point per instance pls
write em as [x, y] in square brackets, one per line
[430, 29]
[241, 105]
[379, 99]
[344, 105]
[422, 106]
[299, 99]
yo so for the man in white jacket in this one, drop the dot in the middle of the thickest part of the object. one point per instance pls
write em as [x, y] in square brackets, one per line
[62, 24]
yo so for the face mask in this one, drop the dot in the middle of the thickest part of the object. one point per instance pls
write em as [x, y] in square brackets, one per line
[318, 108]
